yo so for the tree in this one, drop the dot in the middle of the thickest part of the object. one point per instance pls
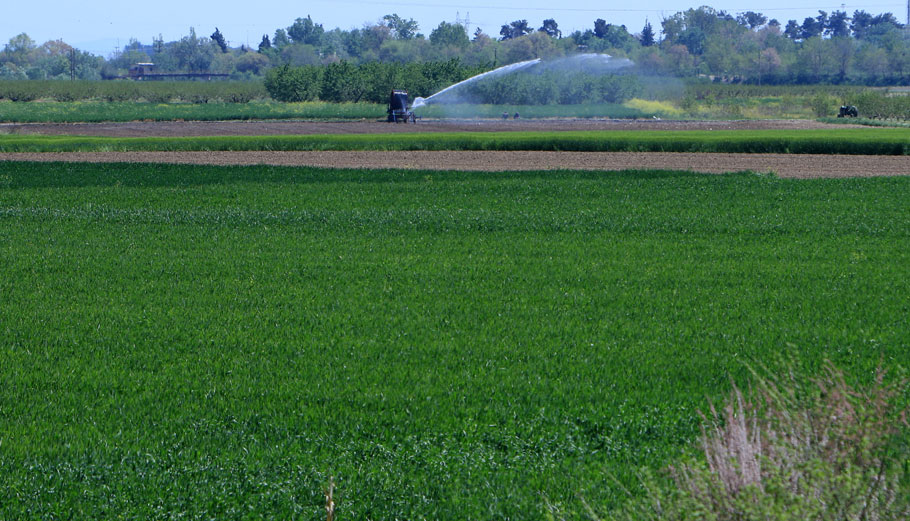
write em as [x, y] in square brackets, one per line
[192, 53]
[600, 27]
[694, 39]
[551, 28]
[815, 59]
[449, 35]
[18, 49]
[843, 51]
[218, 38]
[837, 25]
[251, 62]
[265, 44]
[861, 23]
[751, 19]
[793, 30]
[281, 39]
[768, 61]
[811, 28]
[158, 44]
[516, 29]
[305, 31]
[647, 35]
[401, 29]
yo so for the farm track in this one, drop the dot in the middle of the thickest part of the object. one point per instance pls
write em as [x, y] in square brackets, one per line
[783, 165]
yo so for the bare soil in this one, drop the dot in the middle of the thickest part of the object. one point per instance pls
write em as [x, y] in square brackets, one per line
[783, 165]
[271, 128]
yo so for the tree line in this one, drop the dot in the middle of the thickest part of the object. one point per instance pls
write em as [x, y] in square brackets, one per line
[372, 81]
[836, 47]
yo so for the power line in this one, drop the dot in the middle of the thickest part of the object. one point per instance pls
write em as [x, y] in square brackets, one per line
[590, 10]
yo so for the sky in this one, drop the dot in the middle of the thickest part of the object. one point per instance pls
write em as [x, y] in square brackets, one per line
[102, 26]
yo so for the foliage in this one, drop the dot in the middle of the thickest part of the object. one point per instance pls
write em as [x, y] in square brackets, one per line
[551, 87]
[816, 450]
[370, 82]
[294, 84]
[306, 32]
[120, 91]
[879, 105]
[450, 35]
[862, 49]
[203, 342]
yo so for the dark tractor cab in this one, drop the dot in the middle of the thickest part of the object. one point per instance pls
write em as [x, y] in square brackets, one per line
[848, 111]
[398, 108]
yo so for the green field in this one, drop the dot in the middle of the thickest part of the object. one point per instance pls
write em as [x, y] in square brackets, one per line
[203, 342]
[873, 141]
[100, 111]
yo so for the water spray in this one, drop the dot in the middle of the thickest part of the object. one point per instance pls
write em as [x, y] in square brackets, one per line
[419, 102]
[601, 62]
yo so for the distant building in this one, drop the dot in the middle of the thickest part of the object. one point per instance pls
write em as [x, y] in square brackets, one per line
[141, 69]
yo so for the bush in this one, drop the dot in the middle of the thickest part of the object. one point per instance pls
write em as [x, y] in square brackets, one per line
[877, 105]
[822, 105]
[793, 451]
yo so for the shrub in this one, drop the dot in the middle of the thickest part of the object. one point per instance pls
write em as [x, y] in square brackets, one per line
[793, 451]
[822, 105]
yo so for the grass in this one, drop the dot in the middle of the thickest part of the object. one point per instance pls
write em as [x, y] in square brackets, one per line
[202, 342]
[100, 111]
[602, 110]
[122, 111]
[868, 122]
[837, 141]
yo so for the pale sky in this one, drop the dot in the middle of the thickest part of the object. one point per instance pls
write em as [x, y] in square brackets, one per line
[99, 25]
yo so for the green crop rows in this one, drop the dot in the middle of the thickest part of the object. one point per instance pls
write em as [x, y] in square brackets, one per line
[198, 342]
[97, 111]
[874, 141]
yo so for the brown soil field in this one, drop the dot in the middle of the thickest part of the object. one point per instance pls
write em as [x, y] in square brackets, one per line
[271, 128]
[783, 165]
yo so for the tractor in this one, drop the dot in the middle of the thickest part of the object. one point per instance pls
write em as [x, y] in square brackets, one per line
[398, 108]
[848, 111]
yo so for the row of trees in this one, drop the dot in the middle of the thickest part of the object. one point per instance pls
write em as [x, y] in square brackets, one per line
[835, 47]
[367, 82]
[372, 81]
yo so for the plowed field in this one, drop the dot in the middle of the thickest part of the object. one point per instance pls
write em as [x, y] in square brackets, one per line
[784, 165]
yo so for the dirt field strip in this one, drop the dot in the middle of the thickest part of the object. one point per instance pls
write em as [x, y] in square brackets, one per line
[784, 165]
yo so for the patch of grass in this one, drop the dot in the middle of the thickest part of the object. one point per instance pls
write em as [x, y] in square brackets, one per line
[867, 122]
[654, 108]
[203, 342]
[837, 141]
[602, 110]
[795, 448]
[99, 111]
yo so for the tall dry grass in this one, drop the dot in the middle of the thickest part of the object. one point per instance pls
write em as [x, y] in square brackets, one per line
[793, 450]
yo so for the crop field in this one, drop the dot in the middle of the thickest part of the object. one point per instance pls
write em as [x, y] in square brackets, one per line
[97, 111]
[866, 141]
[201, 342]
[217, 110]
